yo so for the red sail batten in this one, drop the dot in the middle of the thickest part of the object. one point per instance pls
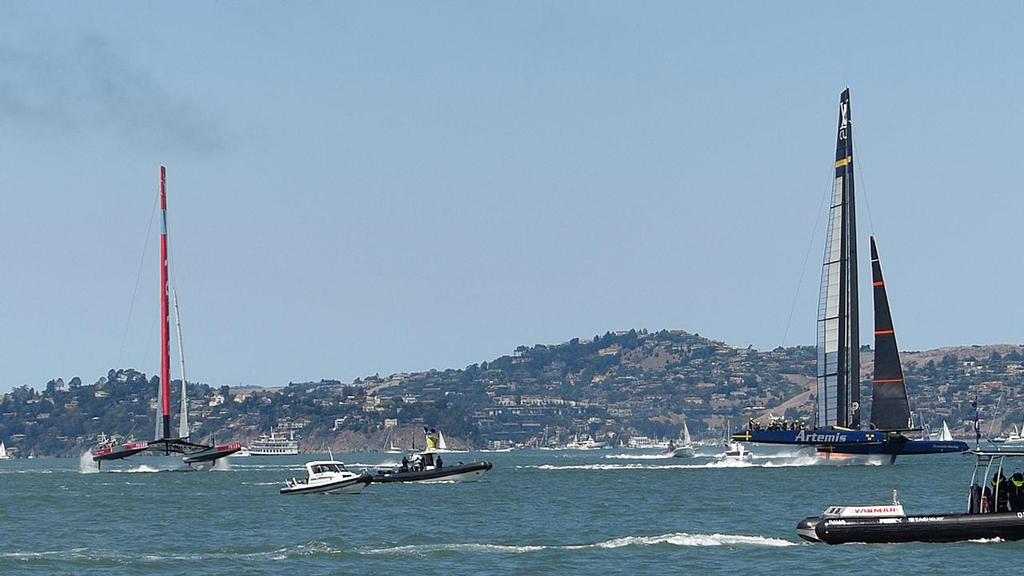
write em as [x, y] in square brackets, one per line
[165, 327]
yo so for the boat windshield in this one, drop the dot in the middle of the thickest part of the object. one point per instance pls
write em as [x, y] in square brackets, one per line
[326, 468]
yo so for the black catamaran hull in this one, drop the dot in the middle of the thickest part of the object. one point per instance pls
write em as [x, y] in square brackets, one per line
[933, 528]
[458, 473]
[212, 453]
[863, 442]
[192, 453]
[118, 452]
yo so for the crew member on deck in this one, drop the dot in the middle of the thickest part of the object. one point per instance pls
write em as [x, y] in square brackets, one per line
[1000, 489]
[1016, 490]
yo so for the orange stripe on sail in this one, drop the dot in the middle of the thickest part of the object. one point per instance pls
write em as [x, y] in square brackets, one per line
[884, 332]
[879, 283]
[889, 381]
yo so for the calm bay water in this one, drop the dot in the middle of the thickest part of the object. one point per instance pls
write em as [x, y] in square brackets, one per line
[536, 512]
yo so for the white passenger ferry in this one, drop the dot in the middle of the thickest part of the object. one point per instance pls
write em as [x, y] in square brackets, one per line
[275, 445]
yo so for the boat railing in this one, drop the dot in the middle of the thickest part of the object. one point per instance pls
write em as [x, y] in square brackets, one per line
[977, 498]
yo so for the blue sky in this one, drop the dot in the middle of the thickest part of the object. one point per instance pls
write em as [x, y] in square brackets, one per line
[361, 188]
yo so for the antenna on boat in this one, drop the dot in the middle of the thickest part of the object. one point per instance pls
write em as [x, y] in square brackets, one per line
[329, 453]
[977, 427]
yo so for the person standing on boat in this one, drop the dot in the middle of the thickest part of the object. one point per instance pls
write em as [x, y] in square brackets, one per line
[1000, 489]
[438, 463]
[1016, 492]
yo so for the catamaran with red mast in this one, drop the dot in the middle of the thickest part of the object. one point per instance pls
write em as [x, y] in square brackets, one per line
[164, 441]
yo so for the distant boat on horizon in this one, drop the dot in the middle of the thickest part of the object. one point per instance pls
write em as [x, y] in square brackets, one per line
[275, 444]
[389, 444]
[686, 449]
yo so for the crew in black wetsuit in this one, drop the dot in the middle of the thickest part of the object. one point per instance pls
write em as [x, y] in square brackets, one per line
[1016, 492]
[975, 504]
[1000, 488]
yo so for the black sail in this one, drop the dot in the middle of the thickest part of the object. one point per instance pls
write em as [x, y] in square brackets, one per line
[889, 407]
[838, 374]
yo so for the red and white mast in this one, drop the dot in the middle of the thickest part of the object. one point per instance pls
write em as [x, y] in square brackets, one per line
[165, 325]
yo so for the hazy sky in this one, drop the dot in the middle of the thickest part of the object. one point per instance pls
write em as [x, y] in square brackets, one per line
[381, 187]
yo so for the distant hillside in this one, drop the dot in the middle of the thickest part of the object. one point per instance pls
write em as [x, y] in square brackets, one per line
[614, 385]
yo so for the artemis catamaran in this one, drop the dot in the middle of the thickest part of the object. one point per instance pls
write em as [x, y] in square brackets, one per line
[837, 426]
[164, 441]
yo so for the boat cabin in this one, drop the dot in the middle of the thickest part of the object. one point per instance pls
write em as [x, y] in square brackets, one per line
[322, 467]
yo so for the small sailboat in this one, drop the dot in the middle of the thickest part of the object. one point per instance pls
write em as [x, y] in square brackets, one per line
[389, 444]
[3, 452]
[685, 450]
[945, 434]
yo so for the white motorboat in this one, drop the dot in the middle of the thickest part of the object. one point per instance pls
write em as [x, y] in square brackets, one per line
[243, 452]
[584, 442]
[737, 451]
[646, 443]
[1014, 439]
[327, 477]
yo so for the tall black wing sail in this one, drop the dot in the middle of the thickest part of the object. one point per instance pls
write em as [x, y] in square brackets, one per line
[889, 407]
[838, 375]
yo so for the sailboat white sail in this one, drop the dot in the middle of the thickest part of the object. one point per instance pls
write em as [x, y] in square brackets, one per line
[389, 444]
[3, 452]
[183, 431]
[686, 450]
[946, 434]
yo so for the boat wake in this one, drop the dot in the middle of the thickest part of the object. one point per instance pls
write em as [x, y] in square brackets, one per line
[723, 463]
[681, 539]
[320, 548]
[86, 465]
[140, 469]
[662, 456]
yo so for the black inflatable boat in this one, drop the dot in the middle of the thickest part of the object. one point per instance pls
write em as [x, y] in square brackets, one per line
[995, 510]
